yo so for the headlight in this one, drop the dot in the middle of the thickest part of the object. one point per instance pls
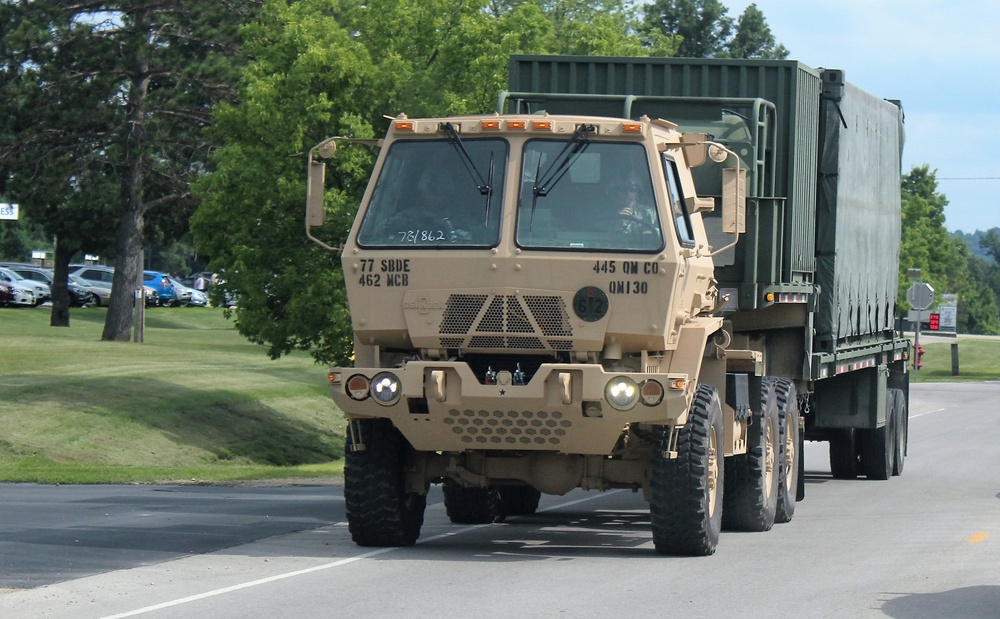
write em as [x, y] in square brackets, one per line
[621, 393]
[386, 388]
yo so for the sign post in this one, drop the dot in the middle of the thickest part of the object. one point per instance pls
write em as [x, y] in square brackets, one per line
[921, 296]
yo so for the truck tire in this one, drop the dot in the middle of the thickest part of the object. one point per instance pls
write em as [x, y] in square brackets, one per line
[790, 454]
[880, 444]
[380, 512]
[901, 417]
[752, 478]
[519, 500]
[472, 505]
[686, 493]
[844, 461]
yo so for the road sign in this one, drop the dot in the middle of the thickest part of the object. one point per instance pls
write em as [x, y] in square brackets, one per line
[920, 295]
[8, 211]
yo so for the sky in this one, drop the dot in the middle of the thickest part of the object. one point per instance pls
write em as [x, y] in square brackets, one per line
[941, 59]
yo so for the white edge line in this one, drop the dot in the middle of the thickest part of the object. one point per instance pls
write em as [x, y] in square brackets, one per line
[325, 566]
[936, 410]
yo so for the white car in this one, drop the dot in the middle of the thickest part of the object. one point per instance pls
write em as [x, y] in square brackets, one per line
[26, 291]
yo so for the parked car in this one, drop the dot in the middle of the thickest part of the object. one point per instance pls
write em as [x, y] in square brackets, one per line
[188, 295]
[6, 294]
[31, 292]
[157, 293]
[100, 292]
[160, 282]
[78, 296]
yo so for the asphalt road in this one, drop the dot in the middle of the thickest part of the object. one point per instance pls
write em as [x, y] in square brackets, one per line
[924, 545]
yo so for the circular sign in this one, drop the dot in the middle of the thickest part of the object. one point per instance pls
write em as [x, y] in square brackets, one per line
[590, 303]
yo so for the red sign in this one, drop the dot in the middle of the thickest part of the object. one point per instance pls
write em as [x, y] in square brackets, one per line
[935, 322]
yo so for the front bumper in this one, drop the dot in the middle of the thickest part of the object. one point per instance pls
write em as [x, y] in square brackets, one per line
[444, 407]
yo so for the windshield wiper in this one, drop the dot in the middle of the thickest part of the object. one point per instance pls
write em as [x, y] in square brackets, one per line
[485, 187]
[574, 147]
[470, 165]
[564, 161]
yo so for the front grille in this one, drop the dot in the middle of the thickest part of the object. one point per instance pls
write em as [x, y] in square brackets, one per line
[506, 321]
[540, 429]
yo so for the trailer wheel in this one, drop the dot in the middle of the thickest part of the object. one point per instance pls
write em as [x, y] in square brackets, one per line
[380, 512]
[472, 505]
[880, 444]
[519, 500]
[844, 456]
[687, 491]
[752, 478]
[790, 458]
[901, 418]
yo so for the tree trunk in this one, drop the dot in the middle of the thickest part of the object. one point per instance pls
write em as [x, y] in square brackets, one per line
[60, 289]
[128, 260]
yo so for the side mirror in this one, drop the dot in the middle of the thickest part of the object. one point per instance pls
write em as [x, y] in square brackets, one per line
[315, 211]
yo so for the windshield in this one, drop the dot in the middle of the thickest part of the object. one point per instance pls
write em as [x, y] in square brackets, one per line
[604, 201]
[429, 195]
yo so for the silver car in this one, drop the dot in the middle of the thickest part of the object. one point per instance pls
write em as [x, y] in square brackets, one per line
[26, 291]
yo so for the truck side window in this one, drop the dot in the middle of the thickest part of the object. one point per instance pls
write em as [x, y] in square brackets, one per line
[682, 221]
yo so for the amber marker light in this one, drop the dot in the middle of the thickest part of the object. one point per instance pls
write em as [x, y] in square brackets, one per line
[677, 383]
[490, 125]
[516, 124]
[541, 125]
[334, 378]
[631, 128]
[769, 297]
[403, 125]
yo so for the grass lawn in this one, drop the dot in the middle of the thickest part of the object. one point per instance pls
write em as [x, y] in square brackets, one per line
[978, 359]
[195, 402]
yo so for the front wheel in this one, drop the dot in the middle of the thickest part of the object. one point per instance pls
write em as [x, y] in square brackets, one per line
[687, 491]
[380, 511]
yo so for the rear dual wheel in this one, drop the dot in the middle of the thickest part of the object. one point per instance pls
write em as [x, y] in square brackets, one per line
[752, 478]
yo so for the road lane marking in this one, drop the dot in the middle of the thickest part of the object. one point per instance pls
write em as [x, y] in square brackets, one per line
[978, 537]
[325, 566]
[936, 410]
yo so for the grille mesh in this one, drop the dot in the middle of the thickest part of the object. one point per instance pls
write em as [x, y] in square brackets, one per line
[506, 321]
[522, 428]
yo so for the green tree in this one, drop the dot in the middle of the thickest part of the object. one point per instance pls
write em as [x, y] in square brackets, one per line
[707, 31]
[328, 67]
[944, 260]
[753, 38]
[108, 102]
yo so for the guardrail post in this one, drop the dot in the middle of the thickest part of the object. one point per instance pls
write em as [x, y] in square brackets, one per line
[954, 359]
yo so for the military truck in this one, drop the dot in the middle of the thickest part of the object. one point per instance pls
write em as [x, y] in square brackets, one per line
[656, 274]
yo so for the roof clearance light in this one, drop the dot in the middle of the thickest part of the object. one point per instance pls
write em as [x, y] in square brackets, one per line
[406, 125]
[632, 128]
[386, 389]
[541, 125]
[517, 124]
[491, 125]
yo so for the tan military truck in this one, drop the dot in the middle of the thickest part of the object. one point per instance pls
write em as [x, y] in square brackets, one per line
[543, 299]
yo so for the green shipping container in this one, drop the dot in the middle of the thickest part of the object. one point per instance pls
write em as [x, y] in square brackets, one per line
[823, 161]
